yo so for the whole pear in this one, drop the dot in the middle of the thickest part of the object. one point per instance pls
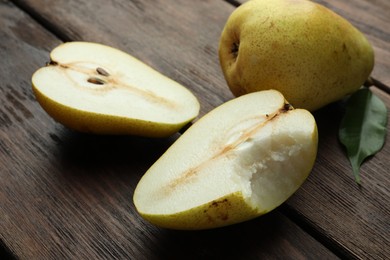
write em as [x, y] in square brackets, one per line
[304, 50]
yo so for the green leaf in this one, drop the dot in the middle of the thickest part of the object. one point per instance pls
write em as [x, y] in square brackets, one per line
[363, 128]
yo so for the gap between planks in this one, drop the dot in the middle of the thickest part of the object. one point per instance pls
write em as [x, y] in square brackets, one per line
[303, 223]
[52, 28]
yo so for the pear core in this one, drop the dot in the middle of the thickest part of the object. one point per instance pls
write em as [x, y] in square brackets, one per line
[249, 155]
[91, 87]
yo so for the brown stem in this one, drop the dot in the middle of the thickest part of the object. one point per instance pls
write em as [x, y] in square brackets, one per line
[373, 82]
[369, 82]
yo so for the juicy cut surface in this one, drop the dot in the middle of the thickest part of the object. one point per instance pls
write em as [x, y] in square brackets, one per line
[249, 146]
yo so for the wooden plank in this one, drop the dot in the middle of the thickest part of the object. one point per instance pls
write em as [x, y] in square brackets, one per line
[356, 218]
[68, 195]
[373, 19]
[330, 158]
[329, 202]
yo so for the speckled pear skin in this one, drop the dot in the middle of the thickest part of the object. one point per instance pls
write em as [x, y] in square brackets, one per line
[304, 50]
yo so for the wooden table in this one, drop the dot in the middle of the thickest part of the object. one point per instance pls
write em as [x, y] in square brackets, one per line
[67, 195]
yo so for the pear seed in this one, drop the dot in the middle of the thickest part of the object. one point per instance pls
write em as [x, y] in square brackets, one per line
[102, 72]
[96, 81]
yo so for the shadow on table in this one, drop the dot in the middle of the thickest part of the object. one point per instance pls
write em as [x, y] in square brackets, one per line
[89, 153]
[271, 236]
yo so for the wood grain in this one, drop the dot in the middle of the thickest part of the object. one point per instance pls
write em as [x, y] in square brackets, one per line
[66, 195]
[69, 195]
[356, 219]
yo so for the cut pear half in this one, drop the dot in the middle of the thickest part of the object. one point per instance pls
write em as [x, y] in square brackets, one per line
[95, 88]
[241, 160]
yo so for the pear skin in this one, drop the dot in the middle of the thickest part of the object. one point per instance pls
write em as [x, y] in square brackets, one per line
[304, 50]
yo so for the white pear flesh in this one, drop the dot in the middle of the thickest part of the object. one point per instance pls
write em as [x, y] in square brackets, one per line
[241, 160]
[95, 88]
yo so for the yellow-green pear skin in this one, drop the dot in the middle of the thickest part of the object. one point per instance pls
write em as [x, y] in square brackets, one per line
[221, 212]
[301, 48]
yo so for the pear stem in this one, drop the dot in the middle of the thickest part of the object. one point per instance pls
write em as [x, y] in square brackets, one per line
[369, 82]
[373, 82]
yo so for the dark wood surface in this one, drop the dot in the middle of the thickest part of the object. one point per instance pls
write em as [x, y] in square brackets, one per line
[66, 195]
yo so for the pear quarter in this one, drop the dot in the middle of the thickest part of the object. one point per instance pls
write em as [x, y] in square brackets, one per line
[251, 153]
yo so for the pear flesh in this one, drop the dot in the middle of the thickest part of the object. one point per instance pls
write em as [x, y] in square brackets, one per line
[94, 88]
[240, 161]
[309, 53]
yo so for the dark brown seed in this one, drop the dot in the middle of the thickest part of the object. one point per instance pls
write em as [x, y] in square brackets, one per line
[102, 72]
[96, 81]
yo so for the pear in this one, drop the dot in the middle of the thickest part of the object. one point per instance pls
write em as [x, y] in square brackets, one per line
[95, 88]
[304, 50]
[239, 161]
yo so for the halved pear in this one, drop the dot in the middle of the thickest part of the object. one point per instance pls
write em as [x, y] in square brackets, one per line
[95, 88]
[241, 160]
